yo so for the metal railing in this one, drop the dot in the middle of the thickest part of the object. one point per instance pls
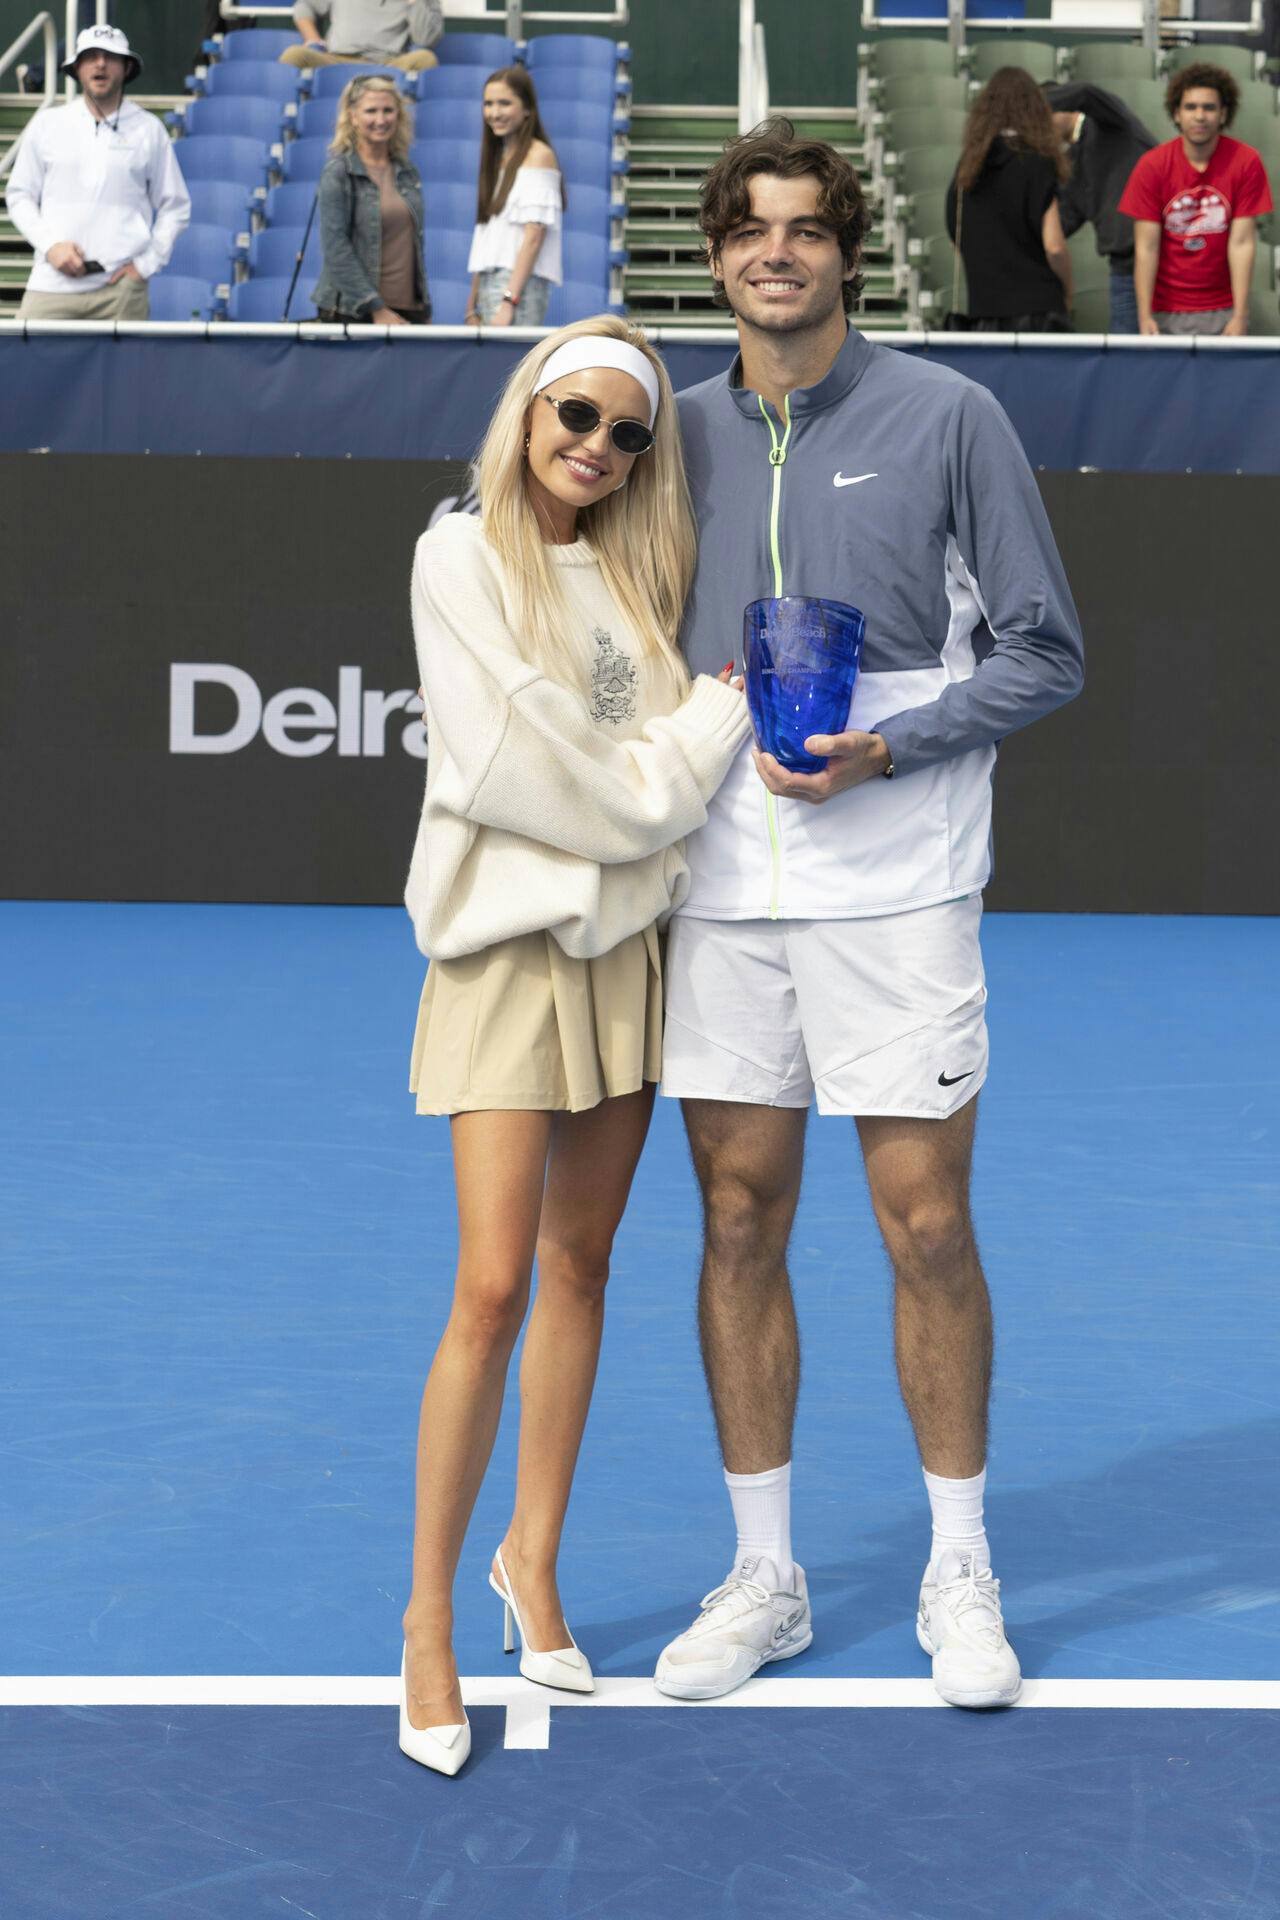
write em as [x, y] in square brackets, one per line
[1129, 18]
[516, 15]
[753, 69]
[43, 24]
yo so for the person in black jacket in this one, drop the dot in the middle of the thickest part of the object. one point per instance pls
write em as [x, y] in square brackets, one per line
[1002, 210]
[1105, 140]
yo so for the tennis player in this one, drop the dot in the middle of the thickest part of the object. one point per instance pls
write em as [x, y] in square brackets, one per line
[569, 753]
[828, 942]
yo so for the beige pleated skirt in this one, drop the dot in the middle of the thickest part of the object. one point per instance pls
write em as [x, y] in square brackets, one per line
[522, 1025]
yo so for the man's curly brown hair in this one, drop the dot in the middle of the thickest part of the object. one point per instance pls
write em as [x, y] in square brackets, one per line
[1201, 74]
[772, 147]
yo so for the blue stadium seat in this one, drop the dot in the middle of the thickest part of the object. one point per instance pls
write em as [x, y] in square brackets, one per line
[587, 160]
[448, 159]
[578, 83]
[448, 301]
[305, 159]
[265, 299]
[327, 82]
[254, 43]
[449, 120]
[446, 250]
[452, 83]
[219, 203]
[259, 79]
[450, 203]
[224, 156]
[575, 50]
[203, 253]
[316, 117]
[274, 251]
[289, 204]
[577, 300]
[178, 296]
[581, 120]
[487, 50]
[237, 115]
[585, 256]
[590, 209]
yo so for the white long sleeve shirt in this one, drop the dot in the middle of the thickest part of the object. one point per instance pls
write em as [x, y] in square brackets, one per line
[545, 808]
[112, 186]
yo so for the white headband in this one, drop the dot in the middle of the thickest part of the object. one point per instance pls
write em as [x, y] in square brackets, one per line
[601, 350]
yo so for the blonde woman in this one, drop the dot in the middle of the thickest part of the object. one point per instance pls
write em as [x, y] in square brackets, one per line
[370, 206]
[569, 752]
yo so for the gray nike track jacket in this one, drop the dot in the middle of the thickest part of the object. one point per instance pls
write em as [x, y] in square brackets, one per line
[900, 487]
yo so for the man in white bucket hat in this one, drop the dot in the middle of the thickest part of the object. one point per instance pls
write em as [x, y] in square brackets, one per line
[97, 190]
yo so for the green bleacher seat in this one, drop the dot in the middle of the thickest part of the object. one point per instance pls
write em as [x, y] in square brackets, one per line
[1088, 268]
[1111, 64]
[983, 57]
[935, 261]
[925, 173]
[925, 127]
[907, 53]
[1146, 99]
[1091, 309]
[1240, 61]
[905, 90]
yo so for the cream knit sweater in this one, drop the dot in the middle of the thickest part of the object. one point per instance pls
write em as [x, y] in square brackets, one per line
[545, 809]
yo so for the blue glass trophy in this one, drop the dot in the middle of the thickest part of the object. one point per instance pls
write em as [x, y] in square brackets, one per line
[801, 657]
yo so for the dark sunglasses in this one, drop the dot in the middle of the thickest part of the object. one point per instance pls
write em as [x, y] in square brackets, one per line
[579, 416]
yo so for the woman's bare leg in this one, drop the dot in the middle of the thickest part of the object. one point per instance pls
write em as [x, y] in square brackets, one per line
[499, 1162]
[593, 1159]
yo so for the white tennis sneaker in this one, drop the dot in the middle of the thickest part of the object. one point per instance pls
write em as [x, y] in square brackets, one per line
[743, 1625]
[960, 1624]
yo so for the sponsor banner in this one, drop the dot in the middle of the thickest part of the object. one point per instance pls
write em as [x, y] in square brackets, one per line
[208, 689]
[1143, 408]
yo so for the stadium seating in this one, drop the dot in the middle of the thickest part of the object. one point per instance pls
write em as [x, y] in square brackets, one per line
[452, 83]
[450, 203]
[907, 54]
[449, 120]
[225, 156]
[589, 161]
[594, 86]
[274, 252]
[318, 118]
[1238, 61]
[903, 90]
[984, 57]
[437, 160]
[265, 300]
[585, 256]
[581, 120]
[305, 159]
[1112, 64]
[487, 50]
[259, 79]
[925, 127]
[239, 116]
[446, 250]
[289, 204]
[328, 82]
[177, 296]
[253, 43]
[449, 301]
[576, 300]
[590, 209]
[203, 252]
[549, 50]
[219, 203]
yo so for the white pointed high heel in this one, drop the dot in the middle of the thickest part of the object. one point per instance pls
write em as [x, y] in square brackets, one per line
[443, 1749]
[568, 1667]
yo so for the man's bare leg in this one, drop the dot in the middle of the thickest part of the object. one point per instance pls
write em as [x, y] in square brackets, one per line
[748, 1161]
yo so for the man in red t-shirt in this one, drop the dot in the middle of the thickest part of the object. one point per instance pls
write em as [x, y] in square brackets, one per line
[1194, 203]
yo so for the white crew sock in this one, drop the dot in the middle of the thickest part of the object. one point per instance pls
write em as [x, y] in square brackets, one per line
[957, 1517]
[762, 1515]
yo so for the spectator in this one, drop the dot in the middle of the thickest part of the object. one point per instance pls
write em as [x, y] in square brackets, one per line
[1104, 140]
[515, 254]
[390, 33]
[370, 204]
[97, 190]
[1002, 210]
[1194, 202]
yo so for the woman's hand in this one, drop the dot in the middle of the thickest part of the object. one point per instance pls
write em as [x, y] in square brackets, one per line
[471, 318]
[728, 678]
[388, 317]
[503, 315]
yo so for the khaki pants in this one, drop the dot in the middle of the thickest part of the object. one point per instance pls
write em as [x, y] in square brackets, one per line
[304, 56]
[127, 300]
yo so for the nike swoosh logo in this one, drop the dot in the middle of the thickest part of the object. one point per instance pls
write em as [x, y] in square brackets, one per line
[852, 479]
[955, 1079]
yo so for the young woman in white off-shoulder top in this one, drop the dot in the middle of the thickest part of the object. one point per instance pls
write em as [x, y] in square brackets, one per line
[515, 251]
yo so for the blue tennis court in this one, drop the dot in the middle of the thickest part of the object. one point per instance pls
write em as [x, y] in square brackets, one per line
[227, 1258]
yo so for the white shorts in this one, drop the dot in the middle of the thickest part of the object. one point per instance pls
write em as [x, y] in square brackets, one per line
[884, 1015]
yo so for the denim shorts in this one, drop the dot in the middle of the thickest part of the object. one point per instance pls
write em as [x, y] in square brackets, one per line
[531, 309]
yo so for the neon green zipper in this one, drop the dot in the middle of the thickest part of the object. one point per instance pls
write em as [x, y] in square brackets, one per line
[777, 460]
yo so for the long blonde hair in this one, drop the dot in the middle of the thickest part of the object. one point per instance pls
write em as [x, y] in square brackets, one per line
[643, 534]
[344, 131]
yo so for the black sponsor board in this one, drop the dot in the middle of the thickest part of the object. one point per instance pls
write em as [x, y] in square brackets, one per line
[209, 688]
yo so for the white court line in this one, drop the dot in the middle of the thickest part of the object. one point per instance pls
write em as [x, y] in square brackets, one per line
[529, 1707]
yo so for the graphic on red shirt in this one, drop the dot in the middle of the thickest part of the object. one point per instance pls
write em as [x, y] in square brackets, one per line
[1195, 210]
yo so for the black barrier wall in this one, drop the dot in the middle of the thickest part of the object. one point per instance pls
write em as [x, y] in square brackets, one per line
[209, 688]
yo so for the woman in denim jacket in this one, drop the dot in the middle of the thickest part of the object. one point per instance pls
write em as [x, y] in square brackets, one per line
[370, 207]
